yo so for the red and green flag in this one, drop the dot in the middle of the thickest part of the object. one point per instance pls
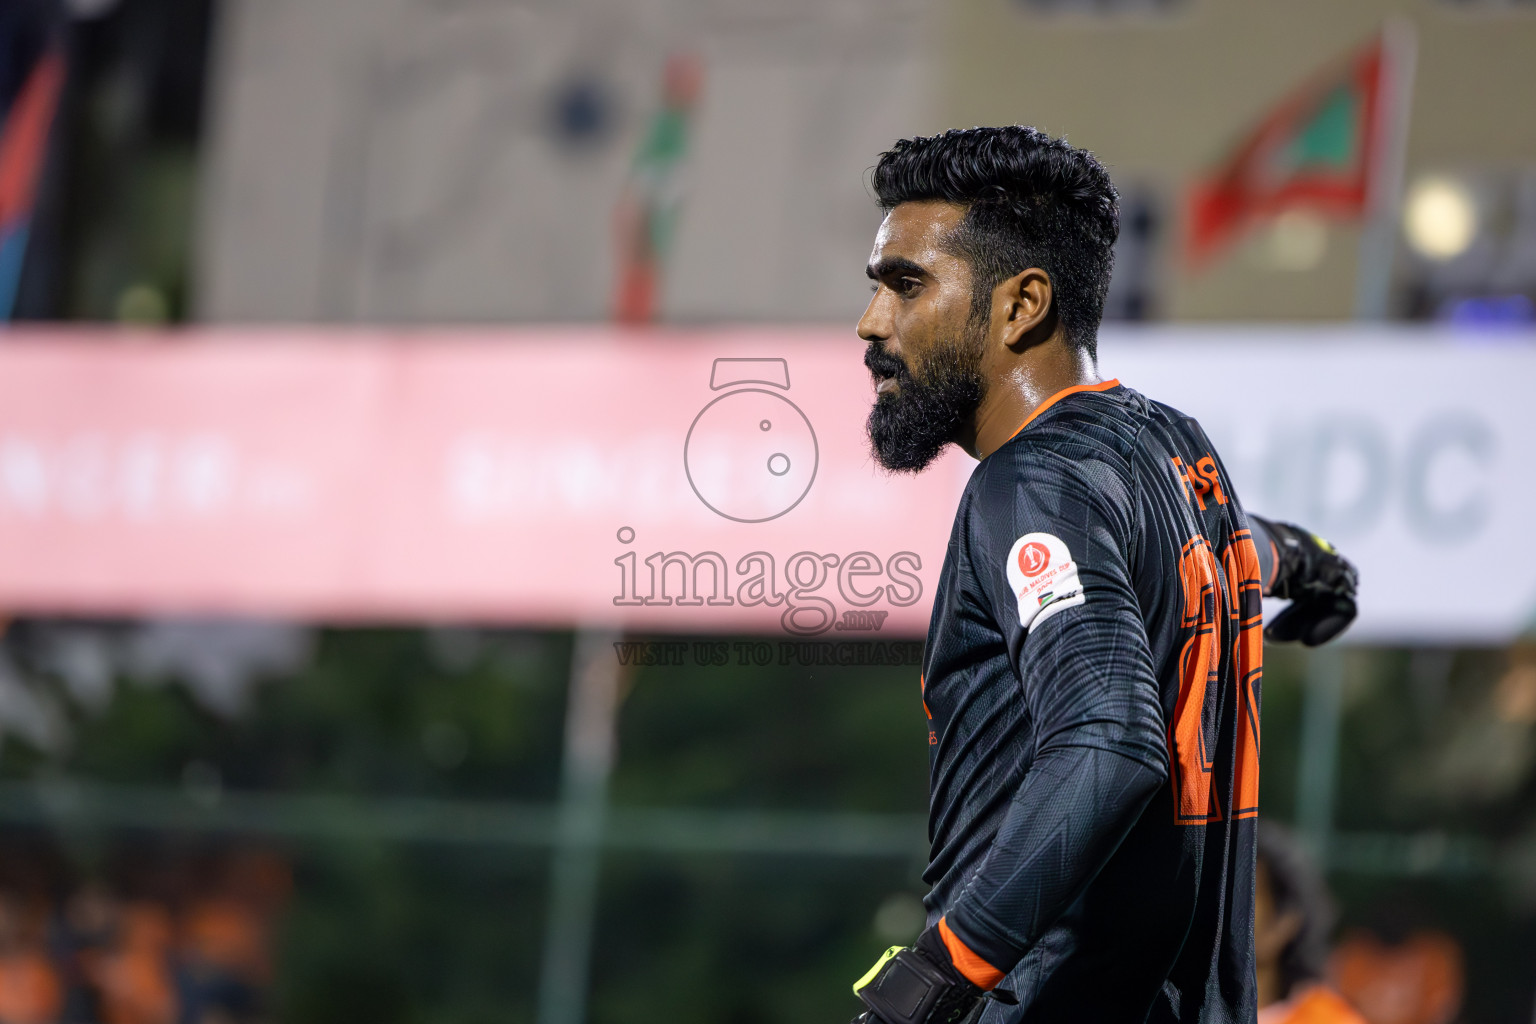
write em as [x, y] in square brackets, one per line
[23, 147]
[647, 212]
[1318, 149]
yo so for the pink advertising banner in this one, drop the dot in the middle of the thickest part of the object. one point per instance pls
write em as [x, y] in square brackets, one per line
[680, 481]
[668, 481]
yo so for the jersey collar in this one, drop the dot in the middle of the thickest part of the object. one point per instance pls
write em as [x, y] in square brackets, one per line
[1103, 385]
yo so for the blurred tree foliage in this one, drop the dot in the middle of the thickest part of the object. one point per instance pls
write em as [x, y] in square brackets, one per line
[398, 932]
[404, 932]
[774, 736]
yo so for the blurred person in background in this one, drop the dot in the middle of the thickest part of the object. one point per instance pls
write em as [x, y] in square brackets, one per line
[1092, 668]
[1292, 915]
[134, 973]
[191, 946]
[30, 988]
[225, 967]
[1400, 971]
[82, 933]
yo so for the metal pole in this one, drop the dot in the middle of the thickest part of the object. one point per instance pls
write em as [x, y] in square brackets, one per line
[1317, 771]
[577, 861]
[1378, 239]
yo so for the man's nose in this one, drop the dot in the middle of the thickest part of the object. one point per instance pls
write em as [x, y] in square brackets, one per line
[875, 324]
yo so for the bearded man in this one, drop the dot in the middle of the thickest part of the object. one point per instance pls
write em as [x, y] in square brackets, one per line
[1092, 669]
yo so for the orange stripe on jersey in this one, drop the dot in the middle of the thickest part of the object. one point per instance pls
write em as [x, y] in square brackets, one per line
[976, 970]
[922, 686]
[1103, 385]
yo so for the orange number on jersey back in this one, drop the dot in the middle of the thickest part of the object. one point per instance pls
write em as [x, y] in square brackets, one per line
[1245, 603]
[1211, 613]
[1198, 664]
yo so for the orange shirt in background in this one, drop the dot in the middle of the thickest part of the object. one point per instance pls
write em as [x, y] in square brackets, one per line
[30, 992]
[1314, 1004]
[1418, 981]
[230, 936]
[135, 975]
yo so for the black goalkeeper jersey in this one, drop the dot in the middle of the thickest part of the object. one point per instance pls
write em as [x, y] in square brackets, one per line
[1092, 683]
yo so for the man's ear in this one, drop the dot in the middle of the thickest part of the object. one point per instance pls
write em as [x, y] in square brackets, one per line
[1024, 308]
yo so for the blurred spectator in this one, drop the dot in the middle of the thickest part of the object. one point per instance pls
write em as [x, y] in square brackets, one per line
[81, 936]
[135, 974]
[196, 952]
[226, 934]
[1418, 980]
[30, 991]
[1292, 915]
[223, 962]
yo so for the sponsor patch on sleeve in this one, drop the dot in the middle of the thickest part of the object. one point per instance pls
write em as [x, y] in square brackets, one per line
[1043, 577]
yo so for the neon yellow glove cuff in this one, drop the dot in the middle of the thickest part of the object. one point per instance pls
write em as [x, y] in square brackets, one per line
[869, 975]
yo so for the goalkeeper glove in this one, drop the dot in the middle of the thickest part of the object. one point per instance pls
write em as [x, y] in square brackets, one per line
[916, 985]
[1319, 582]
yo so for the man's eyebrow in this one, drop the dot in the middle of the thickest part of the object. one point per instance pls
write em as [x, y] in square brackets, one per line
[891, 266]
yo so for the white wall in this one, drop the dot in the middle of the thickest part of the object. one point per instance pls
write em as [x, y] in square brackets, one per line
[389, 160]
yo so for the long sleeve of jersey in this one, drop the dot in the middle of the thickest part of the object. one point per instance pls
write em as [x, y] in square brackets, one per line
[1054, 542]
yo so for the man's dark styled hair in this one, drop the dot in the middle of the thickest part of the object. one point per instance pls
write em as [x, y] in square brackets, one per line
[1031, 201]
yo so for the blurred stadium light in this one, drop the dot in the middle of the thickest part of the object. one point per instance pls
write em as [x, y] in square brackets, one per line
[1440, 218]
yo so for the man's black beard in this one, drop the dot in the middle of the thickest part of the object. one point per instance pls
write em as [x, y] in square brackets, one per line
[908, 428]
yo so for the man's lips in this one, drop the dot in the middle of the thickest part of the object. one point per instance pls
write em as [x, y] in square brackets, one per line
[887, 385]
